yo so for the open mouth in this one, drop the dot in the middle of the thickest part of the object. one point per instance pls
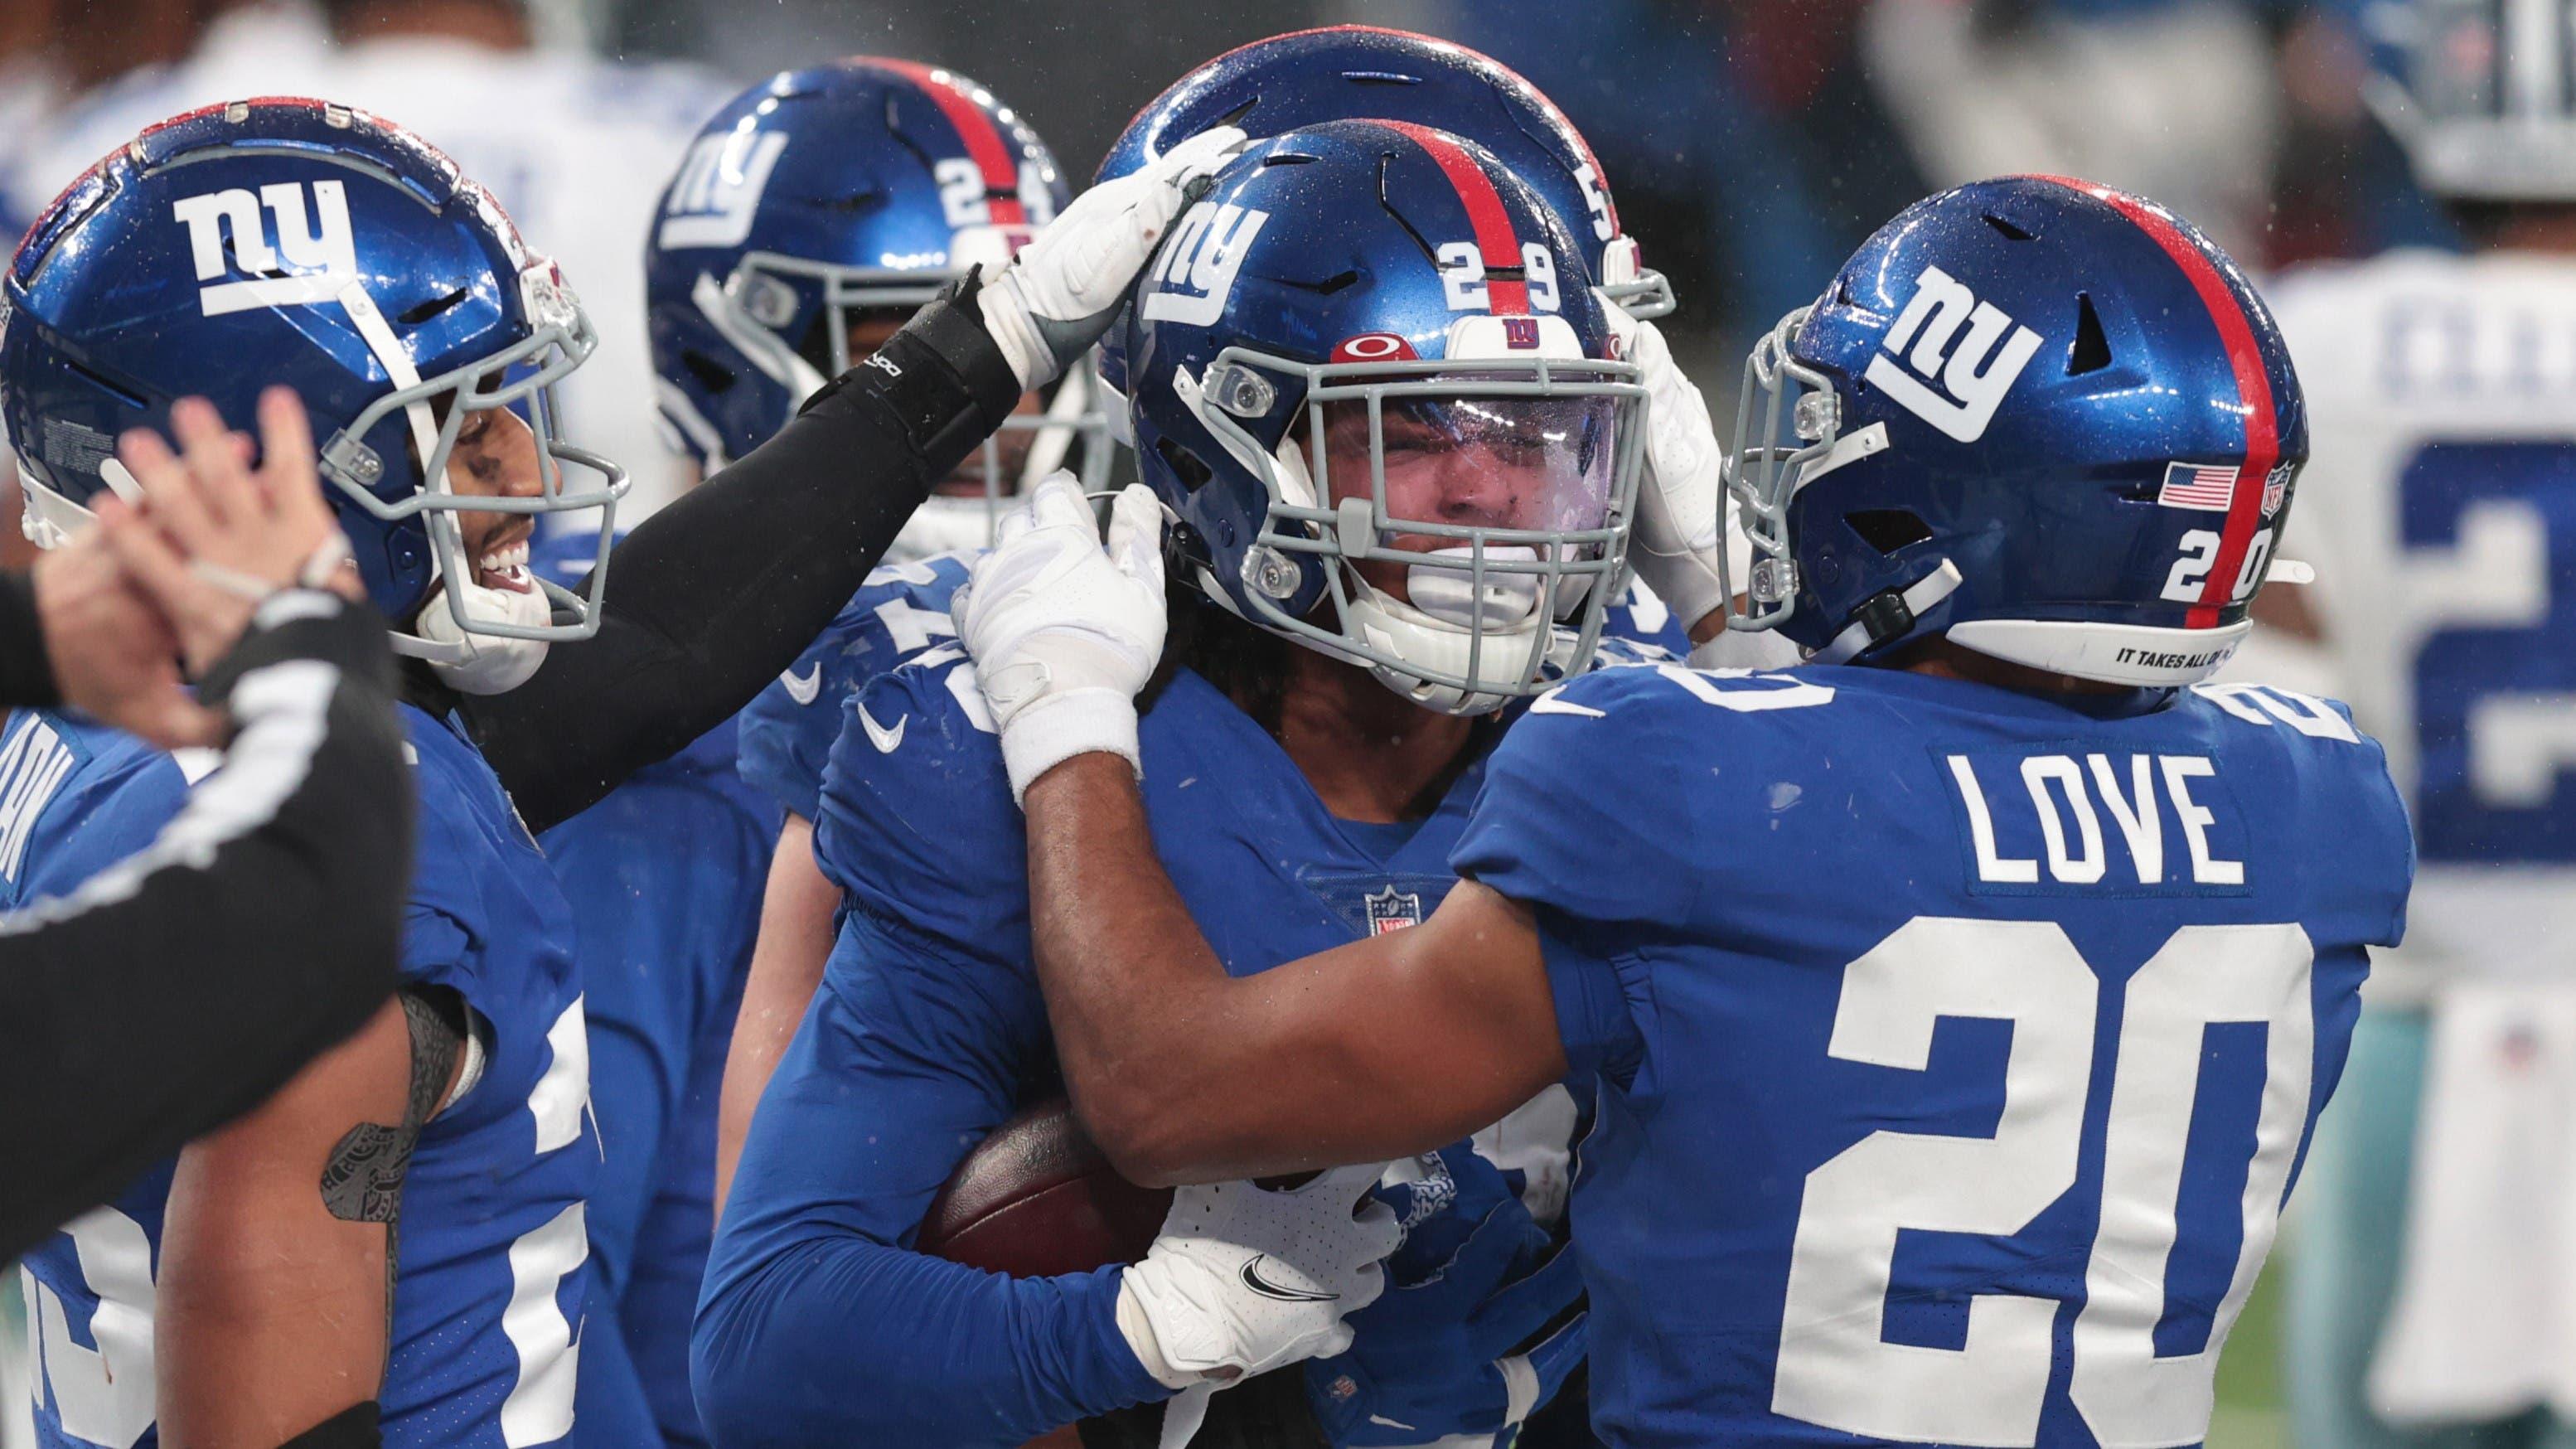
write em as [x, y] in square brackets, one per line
[504, 564]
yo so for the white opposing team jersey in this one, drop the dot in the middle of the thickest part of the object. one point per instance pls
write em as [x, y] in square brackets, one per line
[2439, 507]
[575, 147]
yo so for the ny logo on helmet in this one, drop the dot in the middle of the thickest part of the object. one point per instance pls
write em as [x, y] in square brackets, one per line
[1976, 371]
[315, 254]
[719, 189]
[1200, 263]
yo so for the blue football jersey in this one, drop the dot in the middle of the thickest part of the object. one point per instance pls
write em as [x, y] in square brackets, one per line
[664, 876]
[76, 798]
[787, 732]
[487, 1306]
[902, 613]
[930, 1030]
[1957, 1048]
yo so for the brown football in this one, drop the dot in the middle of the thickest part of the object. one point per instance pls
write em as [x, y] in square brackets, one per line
[1038, 1198]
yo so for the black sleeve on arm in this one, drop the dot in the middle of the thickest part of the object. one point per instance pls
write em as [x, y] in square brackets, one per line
[26, 671]
[711, 597]
[175, 991]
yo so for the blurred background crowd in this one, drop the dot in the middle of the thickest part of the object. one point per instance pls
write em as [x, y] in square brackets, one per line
[1751, 143]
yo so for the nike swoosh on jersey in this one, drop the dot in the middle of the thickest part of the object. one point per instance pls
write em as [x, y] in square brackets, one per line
[1252, 1279]
[803, 690]
[886, 740]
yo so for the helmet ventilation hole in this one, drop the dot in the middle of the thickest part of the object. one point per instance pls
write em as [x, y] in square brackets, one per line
[1184, 464]
[2092, 350]
[415, 316]
[709, 373]
[2007, 228]
[1888, 529]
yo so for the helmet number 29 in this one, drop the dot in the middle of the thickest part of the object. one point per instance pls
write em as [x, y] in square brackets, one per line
[1462, 277]
[2185, 583]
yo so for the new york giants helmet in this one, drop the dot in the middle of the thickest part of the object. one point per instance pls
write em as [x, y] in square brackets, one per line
[1346, 72]
[304, 243]
[2481, 94]
[1374, 384]
[820, 195]
[2046, 418]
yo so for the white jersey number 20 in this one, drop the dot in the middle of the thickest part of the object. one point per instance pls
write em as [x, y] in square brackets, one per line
[1836, 1370]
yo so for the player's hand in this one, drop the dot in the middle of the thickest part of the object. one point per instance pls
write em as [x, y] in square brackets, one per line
[1244, 1279]
[114, 654]
[214, 538]
[1062, 291]
[1681, 501]
[1063, 630]
[1453, 1349]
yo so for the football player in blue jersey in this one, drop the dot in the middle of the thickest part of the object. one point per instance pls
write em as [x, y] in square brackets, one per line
[1313, 756]
[716, 372]
[1956, 1008]
[764, 276]
[389, 1249]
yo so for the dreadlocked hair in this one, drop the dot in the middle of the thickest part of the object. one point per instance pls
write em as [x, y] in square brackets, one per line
[1248, 665]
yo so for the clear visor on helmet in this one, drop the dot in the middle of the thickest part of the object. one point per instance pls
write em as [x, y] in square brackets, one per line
[519, 379]
[967, 507]
[1465, 509]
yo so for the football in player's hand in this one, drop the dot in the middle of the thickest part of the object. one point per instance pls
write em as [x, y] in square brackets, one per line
[1038, 1198]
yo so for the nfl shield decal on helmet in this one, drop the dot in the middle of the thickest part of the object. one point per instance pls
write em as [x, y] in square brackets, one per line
[1391, 910]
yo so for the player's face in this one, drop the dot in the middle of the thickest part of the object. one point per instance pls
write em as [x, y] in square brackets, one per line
[496, 457]
[870, 331]
[1511, 462]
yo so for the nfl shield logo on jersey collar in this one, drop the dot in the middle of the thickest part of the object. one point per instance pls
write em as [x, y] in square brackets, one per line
[1390, 910]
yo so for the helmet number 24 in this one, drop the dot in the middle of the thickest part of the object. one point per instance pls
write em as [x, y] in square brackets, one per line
[2185, 584]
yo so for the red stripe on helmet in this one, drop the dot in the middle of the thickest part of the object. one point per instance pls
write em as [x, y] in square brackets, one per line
[984, 143]
[2253, 391]
[1496, 241]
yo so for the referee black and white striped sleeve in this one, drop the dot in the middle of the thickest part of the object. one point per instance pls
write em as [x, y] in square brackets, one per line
[176, 990]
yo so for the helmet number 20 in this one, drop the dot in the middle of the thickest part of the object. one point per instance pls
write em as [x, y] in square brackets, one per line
[2184, 585]
[1462, 276]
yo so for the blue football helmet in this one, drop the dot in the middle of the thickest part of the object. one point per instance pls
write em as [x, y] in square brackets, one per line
[1349, 72]
[308, 244]
[1375, 385]
[2048, 419]
[861, 186]
[2478, 93]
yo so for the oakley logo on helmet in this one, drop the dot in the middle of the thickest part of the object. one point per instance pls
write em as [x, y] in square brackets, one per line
[719, 188]
[314, 256]
[1977, 371]
[1200, 263]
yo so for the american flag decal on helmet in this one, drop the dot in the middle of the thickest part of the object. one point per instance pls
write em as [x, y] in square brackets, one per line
[2210, 487]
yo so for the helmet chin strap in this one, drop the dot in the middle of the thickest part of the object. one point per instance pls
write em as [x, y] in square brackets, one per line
[1886, 616]
[467, 660]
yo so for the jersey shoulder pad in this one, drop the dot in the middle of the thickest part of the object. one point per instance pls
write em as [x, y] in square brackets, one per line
[77, 797]
[1597, 801]
[2305, 753]
[1640, 619]
[917, 820]
[900, 613]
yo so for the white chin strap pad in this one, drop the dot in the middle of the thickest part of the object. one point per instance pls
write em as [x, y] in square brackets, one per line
[480, 663]
[1450, 594]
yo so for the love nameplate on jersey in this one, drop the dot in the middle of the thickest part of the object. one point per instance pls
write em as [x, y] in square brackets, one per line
[1372, 904]
[2038, 820]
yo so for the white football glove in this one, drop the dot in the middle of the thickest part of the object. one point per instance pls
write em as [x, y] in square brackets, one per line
[1062, 291]
[1681, 500]
[1244, 1279]
[1064, 630]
